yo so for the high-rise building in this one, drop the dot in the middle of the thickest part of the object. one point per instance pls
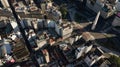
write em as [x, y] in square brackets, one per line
[106, 7]
[5, 3]
[20, 51]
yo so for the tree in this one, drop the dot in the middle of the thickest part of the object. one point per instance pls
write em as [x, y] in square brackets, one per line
[115, 60]
[63, 10]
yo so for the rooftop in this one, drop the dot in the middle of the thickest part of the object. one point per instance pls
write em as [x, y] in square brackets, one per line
[102, 63]
[87, 36]
[93, 56]
[65, 25]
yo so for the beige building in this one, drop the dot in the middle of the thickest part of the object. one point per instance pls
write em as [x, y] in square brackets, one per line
[46, 55]
[107, 8]
[5, 3]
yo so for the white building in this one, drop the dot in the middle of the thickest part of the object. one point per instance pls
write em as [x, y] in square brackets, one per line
[88, 48]
[64, 29]
[83, 50]
[79, 52]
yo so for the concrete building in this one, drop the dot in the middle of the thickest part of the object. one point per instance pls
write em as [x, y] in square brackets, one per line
[79, 52]
[83, 49]
[6, 51]
[42, 39]
[116, 21]
[65, 30]
[50, 10]
[93, 56]
[68, 52]
[46, 55]
[22, 7]
[106, 7]
[103, 62]
[5, 28]
[26, 23]
[46, 31]
[106, 63]
[5, 3]
[88, 47]
[45, 5]
[42, 57]
[20, 51]
[43, 31]
[32, 38]
[86, 36]
[95, 21]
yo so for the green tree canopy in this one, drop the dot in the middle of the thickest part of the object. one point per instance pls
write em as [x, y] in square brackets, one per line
[115, 60]
[63, 10]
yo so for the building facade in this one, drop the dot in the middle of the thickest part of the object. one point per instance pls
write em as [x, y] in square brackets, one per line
[5, 3]
[107, 8]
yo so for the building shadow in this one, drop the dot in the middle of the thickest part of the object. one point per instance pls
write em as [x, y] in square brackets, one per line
[108, 41]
